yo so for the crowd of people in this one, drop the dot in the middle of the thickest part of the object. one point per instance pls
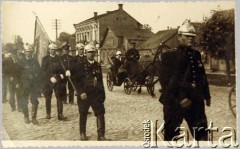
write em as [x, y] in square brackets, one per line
[180, 70]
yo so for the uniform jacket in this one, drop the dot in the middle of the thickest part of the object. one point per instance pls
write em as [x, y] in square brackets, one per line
[182, 69]
[30, 73]
[132, 55]
[51, 67]
[88, 79]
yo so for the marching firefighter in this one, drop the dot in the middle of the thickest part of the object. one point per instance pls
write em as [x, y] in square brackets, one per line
[91, 92]
[29, 84]
[52, 77]
[80, 50]
[68, 64]
[184, 87]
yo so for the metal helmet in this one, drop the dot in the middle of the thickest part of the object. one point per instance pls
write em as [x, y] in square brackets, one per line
[90, 48]
[187, 29]
[118, 53]
[80, 46]
[52, 46]
[29, 48]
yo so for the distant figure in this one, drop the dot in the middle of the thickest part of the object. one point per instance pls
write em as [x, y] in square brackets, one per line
[132, 57]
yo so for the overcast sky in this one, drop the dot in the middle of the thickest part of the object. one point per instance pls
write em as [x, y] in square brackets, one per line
[18, 19]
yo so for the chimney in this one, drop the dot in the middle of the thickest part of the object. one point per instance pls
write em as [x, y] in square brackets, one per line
[95, 14]
[120, 6]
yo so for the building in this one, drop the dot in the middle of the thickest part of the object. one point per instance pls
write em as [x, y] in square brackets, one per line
[113, 31]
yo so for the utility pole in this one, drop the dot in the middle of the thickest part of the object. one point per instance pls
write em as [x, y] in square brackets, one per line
[56, 26]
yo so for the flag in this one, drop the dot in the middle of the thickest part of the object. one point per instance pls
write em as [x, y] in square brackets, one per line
[41, 41]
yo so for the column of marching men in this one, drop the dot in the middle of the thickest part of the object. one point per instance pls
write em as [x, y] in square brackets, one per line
[81, 74]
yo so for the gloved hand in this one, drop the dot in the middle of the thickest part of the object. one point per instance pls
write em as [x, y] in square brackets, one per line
[185, 103]
[83, 96]
[53, 80]
[68, 73]
[62, 76]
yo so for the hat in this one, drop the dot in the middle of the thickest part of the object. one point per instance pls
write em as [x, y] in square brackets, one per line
[90, 48]
[80, 46]
[52, 46]
[65, 46]
[29, 48]
[118, 53]
[187, 29]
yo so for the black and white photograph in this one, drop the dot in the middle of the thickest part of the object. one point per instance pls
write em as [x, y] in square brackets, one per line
[117, 73]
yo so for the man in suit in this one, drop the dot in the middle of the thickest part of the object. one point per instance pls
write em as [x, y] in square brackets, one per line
[132, 57]
[52, 77]
[90, 92]
[184, 87]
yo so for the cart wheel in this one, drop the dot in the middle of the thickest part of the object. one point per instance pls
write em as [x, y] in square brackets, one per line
[128, 86]
[134, 88]
[232, 100]
[109, 80]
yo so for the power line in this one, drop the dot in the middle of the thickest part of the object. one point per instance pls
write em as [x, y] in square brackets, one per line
[56, 26]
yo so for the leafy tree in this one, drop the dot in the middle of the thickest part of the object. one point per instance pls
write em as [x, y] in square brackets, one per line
[7, 47]
[217, 36]
[18, 42]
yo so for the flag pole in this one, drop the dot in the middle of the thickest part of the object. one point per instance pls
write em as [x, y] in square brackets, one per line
[37, 19]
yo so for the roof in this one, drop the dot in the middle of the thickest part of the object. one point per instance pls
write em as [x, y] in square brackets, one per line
[98, 16]
[159, 37]
[131, 33]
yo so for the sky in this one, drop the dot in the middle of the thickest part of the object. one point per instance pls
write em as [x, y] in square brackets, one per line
[18, 17]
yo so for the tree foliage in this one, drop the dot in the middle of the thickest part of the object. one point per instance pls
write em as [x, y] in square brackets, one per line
[218, 34]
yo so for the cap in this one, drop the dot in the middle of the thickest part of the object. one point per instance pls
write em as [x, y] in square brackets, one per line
[90, 48]
[187, 29]
[29, 48]
[118, 53]
[80, 46]
[52, 46]
[65, 46]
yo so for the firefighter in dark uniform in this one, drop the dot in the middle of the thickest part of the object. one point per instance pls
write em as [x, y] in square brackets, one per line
[80, 56]
[52, 77]
[68, 62]
[132, 57]
[29, 84]
[14, 75]
[91, 92]
[184, 87]
[6, 71]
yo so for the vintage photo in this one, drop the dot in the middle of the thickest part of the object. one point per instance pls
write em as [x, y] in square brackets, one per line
[146, 74]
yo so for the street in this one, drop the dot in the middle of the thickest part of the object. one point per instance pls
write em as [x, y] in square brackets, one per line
[124, 117]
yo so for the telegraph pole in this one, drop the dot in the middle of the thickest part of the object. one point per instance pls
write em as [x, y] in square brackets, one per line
[56, 26]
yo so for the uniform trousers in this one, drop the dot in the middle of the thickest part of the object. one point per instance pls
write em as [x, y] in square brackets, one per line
[29, 93]
[194, 115]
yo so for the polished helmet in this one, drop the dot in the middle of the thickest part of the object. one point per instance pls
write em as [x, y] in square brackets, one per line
[52, 46]
[118, 53]
[80, 46]
[90, 48]
[187, 29]
[29, 48]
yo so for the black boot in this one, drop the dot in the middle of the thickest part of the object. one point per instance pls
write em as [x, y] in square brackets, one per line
[48, 108]
[82, 127]
[101, 128]
[34, 115]
[60, 111]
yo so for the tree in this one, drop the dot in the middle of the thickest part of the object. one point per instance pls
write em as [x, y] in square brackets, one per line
[217, 36]
[66, 37]
[7, 47]
[18, 42]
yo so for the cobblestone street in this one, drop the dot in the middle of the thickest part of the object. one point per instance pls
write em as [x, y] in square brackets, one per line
[124, 117]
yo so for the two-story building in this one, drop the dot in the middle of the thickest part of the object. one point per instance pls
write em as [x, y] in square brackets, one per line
[113, 31]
